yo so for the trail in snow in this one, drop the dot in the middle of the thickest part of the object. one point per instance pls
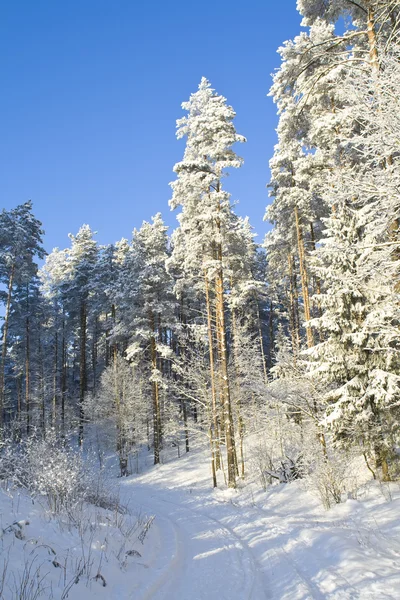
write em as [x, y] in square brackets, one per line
[221, 544]
[280, 546]
[199, 557]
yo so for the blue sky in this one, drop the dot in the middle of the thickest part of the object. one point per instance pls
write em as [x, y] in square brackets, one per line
[91, 90]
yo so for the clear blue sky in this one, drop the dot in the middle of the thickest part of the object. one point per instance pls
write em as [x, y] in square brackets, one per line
[91, 90]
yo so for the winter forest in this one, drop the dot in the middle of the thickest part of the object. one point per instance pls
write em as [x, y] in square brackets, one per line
[257, 375]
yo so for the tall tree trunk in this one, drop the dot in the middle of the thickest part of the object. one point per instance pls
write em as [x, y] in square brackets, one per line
[240, 420]
[94, 354]
[271, 347]
[55, 380]
[27, 374]
[214, 429]
[260, 338]
[41, 387]
[4, 347]
[82, 368]
[293, 306]
[156, 394]
[304, 278]
[175, 347]
[63, 376]
[121, 440]
[371, 32]
[223, 363]
[185, 423]
[19, 408]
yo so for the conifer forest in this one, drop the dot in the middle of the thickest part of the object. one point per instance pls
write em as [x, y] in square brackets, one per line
[260, 366]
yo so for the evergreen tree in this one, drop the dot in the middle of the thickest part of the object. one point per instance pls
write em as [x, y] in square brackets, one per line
[206, 221]
[20, 242]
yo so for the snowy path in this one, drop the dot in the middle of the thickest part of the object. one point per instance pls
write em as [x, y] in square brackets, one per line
[218, 545]
[197, 555]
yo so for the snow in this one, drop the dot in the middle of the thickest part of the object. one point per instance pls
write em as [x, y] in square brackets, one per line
[219, 544]
[279, 544]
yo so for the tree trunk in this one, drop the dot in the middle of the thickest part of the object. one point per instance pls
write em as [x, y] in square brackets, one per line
[260, 338]
[156, 395]
[238, 390]
[371, 32]
[223, 362]
[63, 376]
[55, 381]
[215, 433]
[293, 307]
[41, 388]
[82, 368]
[185, 423]
[4, 347]
[121, 440]
[304, 278]
[94, 355]
[27, 374]
[271, 346]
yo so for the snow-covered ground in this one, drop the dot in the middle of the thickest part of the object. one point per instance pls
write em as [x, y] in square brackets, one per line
[215, 544]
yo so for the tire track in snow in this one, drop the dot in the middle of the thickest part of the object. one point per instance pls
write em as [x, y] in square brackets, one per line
[170, 556]
[253, 586]
[184, 532]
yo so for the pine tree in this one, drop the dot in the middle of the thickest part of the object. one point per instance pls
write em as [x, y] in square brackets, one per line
[147, 311]
[82, 260]
[20, 242]
[206, 221]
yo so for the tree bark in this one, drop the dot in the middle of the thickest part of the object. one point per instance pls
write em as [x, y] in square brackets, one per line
[82, 368]
[304, 278]
[41, 388]
[293, 307]
[260, 338]
[27, 371]
[4, 347]
[55, 381]
[223, 361]
[215, 433]
[156, 394]
[63, 376]
[371, 32]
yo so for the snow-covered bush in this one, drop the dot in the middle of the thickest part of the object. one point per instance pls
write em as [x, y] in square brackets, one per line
[47, 468]
[56, 473]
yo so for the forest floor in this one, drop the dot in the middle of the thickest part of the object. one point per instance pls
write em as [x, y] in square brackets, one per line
[248, 544]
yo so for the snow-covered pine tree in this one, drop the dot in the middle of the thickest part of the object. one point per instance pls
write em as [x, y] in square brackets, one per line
[206, 220]
[147, 309]
[82, 260]
[20, 242]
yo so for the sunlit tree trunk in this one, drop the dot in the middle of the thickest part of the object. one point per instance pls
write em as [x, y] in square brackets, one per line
[304, 278]
[214, 429]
